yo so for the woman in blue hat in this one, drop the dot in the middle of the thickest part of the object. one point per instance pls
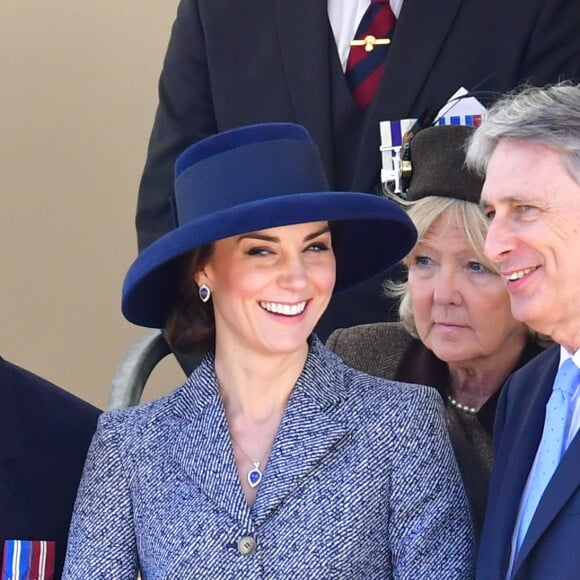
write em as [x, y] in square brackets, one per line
[274, 459]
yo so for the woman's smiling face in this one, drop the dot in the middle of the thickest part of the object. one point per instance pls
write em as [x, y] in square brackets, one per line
[270, 287]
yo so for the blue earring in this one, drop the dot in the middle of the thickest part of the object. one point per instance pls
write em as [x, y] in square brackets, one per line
[204, 293]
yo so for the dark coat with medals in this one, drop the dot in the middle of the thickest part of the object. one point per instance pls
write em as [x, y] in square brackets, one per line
[44, 436]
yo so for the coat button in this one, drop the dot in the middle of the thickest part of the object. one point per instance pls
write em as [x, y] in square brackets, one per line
[247, 545]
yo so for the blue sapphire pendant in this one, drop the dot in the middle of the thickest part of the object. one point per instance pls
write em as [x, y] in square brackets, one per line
[255, 475]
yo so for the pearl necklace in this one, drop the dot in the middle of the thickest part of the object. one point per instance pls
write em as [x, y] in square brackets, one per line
[461, 407]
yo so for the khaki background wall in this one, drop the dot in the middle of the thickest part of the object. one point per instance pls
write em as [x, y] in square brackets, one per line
[78, 90]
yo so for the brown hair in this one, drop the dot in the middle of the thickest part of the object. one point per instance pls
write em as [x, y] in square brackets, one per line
[190, 326]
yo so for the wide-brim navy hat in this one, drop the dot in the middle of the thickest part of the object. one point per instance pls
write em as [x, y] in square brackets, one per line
[254, 178]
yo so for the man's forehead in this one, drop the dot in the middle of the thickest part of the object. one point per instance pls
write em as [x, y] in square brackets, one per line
[515, 160]
[519, 172]
[526, 173]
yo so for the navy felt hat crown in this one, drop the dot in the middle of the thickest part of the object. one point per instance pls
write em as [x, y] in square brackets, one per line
[254, 178]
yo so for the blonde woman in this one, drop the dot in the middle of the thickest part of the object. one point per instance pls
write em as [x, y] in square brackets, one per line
[457, 332]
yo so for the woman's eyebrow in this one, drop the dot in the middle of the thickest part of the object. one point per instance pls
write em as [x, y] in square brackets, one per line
[274, 239]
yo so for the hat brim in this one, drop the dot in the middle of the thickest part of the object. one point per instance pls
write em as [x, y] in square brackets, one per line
[375, 234]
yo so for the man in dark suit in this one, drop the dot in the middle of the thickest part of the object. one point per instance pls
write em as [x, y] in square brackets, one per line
[528, 146]
[231, 63]
[44, 436]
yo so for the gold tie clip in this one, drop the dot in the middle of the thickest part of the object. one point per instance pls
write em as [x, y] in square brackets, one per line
[369, 42]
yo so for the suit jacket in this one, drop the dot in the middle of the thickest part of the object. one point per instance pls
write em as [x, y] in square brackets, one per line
[551, 548]
[360, 483]
[44, 436]
[232, 63]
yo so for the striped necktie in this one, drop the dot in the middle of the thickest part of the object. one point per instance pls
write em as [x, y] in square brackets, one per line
[553, 442]
[366, 59]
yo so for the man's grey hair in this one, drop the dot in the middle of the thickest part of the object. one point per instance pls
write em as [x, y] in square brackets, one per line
[548, 116]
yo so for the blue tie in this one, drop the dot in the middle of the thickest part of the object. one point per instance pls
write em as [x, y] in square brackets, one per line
[553, 442]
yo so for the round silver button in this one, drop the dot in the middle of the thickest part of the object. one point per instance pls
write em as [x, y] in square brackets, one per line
[247, 545]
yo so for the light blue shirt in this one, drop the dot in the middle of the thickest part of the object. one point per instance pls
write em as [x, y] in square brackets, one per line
[572, 431]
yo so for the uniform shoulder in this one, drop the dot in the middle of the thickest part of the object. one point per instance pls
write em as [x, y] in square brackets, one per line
[36, 395]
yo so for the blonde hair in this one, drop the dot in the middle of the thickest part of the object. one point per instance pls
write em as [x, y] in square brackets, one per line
[424, 213]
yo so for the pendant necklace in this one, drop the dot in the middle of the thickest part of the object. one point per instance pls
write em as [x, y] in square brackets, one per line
[254, 475]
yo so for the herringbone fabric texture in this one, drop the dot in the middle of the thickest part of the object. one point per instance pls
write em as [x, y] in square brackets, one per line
[365, 67]
[361, 483]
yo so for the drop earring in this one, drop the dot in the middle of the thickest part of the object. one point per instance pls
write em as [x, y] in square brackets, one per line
[204, 293]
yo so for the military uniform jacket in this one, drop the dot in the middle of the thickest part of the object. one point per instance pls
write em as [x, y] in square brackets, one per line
[44, 436]
[232, 63]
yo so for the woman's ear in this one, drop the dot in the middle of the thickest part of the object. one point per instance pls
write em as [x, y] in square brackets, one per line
[200, 277]
[198, 269]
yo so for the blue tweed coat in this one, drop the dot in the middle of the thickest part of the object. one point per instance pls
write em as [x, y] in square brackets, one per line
[361, 483]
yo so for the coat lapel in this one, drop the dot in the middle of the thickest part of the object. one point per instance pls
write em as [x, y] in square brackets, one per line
[303, 30]
[527, 419]
[563, 484]
[201, 443]
[309, 434]
[417, 40]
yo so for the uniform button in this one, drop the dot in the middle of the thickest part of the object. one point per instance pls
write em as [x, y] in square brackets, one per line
[247, 545]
